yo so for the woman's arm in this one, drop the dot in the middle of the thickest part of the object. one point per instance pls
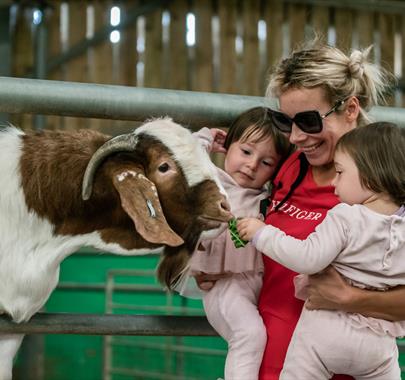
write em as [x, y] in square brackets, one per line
[328, 290]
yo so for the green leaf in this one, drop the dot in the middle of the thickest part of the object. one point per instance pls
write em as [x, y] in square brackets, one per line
[237, 240]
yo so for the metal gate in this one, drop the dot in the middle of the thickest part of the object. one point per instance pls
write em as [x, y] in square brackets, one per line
[166, 358]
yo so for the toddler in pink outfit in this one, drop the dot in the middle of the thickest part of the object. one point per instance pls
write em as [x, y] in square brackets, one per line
[254, 150]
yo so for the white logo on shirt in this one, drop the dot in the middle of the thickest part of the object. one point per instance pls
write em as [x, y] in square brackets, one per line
[295, 212]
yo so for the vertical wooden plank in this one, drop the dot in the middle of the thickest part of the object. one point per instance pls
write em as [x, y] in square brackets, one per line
[402, 78]
[22, 46]
[398, 62]
[344, 25]
[319, 20]
[76, 70]
[124, 51]
[365, 28]
[153, 76]
[386, 26]
[227, 13]
[101, 54]
[22, 50]
[178, 52]
[203, 74]
[125, 57]
[251, 83]
[54, 48]
[297, 20]
[274, 18]
[128, 53]
[54, 37]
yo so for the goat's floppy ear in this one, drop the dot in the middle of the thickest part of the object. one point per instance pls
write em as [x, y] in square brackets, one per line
[140, 200]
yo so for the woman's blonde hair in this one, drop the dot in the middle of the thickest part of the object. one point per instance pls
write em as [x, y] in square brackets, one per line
[341, 76]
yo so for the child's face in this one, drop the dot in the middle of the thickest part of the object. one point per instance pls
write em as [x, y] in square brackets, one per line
[347, 181]
[251, 164]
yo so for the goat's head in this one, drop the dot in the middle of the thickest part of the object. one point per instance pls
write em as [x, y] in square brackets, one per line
[167, 185]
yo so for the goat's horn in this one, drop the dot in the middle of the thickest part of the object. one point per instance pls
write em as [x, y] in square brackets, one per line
[122, 143]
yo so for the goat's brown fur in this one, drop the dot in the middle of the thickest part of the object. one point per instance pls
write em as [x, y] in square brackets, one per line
[48, 155]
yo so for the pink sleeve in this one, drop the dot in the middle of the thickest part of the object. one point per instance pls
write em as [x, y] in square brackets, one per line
[205, 138]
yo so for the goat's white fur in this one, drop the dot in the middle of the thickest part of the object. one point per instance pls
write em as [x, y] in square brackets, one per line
[31, 254]
[185, 157]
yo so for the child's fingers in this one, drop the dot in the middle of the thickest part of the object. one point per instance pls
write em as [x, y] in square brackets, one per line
[218, 134]
[221, 133]
[221, 150]
[243, 235]
[243, 232]
[242, 224]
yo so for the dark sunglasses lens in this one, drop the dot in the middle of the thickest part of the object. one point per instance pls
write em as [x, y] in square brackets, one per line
[281, 121]
[309, 122]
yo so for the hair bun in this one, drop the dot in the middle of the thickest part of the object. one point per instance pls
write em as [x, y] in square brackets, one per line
[356, 63]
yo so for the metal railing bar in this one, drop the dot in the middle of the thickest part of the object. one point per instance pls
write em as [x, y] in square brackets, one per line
[149, 374]
[33, 96]
[107, 324]
[19, 95]
[132, 272]
[173, 347]
[95, 286]
[185, 310]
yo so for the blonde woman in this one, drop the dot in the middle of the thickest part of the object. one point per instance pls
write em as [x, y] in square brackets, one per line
[323, 93]
[364, 239]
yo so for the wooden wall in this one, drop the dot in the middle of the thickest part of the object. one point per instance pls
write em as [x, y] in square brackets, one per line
[236, 43]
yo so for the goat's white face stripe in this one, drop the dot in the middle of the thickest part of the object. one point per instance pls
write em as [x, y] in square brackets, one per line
[122, 176]
[125, 174]
[187, 151]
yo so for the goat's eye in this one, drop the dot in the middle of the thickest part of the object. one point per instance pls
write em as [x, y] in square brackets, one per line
[163, 168]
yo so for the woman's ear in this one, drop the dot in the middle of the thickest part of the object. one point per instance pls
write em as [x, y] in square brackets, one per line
[352, 109]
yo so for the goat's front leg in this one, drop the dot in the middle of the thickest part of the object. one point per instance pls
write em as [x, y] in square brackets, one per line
[9, 345]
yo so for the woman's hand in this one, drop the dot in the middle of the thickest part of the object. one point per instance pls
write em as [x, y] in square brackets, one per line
[207, 281]
[328, 290]
[247, 227]
[219, 137]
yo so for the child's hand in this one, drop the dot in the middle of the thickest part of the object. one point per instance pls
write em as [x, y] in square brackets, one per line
[247, 227]
[219, 138]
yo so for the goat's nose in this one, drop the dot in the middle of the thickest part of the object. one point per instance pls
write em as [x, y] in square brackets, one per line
[225, 205]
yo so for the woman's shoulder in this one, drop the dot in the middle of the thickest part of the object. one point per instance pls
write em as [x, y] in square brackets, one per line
[290, 167]
[292, 160]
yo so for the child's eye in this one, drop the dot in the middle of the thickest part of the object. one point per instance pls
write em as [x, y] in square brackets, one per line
[267, 163]
[245, 151]
[338, 172]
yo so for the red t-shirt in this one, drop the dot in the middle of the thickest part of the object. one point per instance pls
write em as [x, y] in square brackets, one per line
[298, 217]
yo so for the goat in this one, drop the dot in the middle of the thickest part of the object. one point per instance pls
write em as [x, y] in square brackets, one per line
[151, 191]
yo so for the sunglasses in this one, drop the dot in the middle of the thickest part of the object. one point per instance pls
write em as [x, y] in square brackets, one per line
[307, 121]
